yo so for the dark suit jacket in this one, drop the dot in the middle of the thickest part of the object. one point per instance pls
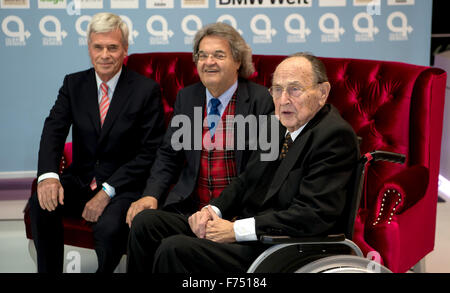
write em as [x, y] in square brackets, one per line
[251, 99]
[309, 187]
[119, 153]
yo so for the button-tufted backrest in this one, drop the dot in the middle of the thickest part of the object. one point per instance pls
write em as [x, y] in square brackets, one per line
[391, 105]
[173, 71]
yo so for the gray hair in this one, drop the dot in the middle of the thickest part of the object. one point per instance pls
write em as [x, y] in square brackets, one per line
[105, 22]
[318, 68]
[240, 50]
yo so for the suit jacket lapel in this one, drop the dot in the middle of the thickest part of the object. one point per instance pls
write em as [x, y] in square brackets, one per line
[242, 99]
[242, 108]
[287, 164]
[121, 94]
[198, 100]
[91, 95]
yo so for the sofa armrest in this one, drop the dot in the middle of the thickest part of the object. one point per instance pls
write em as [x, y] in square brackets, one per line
[399, 193]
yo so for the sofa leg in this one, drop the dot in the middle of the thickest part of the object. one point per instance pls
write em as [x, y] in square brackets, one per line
[32, 251]
[419, 267]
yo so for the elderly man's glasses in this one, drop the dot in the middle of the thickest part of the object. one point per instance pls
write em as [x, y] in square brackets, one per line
[218, 55]
[294, 91]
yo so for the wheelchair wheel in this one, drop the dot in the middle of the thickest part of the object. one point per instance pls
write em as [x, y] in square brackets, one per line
[287, 258]
[343, 264]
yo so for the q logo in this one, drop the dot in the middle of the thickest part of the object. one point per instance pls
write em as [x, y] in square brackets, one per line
[159, 36]
[186, 20]
[51, 38]
[364, 33]
[80, 20]
[188, 32]
[262, 35]
[82, 39]
[398, 33]
[132, 33]
[296, 35]
[16, 38]
[231, 20]
[330, 34]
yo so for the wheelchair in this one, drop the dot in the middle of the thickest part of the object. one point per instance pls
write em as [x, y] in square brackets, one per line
[334, 253]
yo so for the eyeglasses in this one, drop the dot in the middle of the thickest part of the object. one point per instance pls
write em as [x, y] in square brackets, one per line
[294, 91]
[218, 55]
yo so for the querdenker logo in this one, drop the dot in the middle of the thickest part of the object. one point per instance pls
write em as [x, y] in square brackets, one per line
[186, 28]
[296, 33]
[159, 37]
[84, 20]
[330, 33]
[82, 39]
[52, 37]
[231, 21]
[398, 32]
[133, 33]
[15, 37]
[264, 33]
[364, 33]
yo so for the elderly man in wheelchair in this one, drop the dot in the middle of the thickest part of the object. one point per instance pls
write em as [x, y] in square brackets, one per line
[294, 213]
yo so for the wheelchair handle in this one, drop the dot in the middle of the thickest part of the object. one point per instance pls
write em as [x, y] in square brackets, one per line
[387, 156]
[276, 239]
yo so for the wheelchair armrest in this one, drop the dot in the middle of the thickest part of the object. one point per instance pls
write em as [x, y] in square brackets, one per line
[270, 239]
[399, 193]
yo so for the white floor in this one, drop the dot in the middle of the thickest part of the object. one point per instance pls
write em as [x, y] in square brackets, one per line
[438, 261]
[15, 256]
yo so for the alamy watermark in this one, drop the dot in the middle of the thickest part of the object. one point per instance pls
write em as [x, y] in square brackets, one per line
[74, 7]
[252, 133]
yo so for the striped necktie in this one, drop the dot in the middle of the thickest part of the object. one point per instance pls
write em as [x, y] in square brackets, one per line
[286, 144]
[104, 102]
[104, 106]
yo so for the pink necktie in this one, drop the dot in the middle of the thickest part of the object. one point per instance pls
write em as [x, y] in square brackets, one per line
[104, 106]
[104, 102]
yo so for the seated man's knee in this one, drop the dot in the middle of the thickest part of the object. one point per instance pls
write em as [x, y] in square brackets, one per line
[35, 207]
[34, 201]
[144, 222]
[146, 218]
[104, 232]
[172, 250]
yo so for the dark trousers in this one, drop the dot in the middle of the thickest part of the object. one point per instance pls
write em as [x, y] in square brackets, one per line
[162, 242]
[110, 231]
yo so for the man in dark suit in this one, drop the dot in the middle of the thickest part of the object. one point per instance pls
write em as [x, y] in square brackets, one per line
[223, 61]
[302, 193]
[117, 125]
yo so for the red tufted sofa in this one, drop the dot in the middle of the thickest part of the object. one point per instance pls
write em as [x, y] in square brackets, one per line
[392, 106]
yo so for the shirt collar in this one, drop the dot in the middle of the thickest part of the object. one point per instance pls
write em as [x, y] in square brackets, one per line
[224, 98]
[112, 83]
[295, 133]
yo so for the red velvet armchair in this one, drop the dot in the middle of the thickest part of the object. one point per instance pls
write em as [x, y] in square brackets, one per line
[392, 106]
